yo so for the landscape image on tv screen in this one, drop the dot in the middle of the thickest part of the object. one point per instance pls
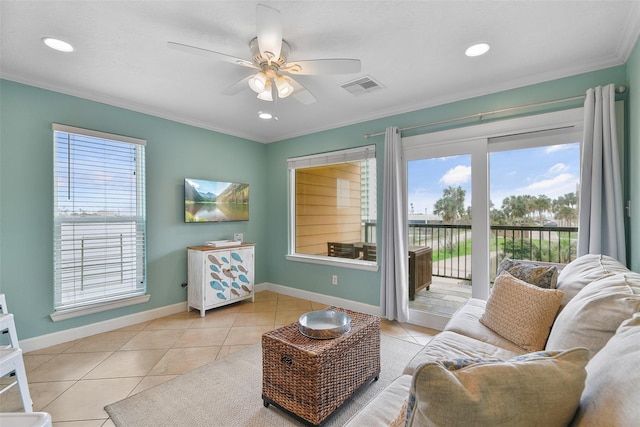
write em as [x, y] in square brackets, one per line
[215, 201]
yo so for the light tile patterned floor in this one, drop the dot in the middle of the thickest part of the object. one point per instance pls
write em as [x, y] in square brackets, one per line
[75, 380]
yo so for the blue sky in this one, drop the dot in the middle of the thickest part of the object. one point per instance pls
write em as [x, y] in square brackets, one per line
[204, 186]
[552, 170]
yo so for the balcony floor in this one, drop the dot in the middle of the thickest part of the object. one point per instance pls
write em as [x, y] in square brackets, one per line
[444, 296]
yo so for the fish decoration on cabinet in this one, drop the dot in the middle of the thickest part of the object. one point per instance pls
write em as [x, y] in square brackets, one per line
[221, 296]
[225, 283]
[215, 276]
[235, 285]
[215, 268]
[242, 269]
[233, 291]
[225, 260]
[247, 290]
[214, 260]
[229, 274]
[236, 256]
[216, 285]
[243, 278]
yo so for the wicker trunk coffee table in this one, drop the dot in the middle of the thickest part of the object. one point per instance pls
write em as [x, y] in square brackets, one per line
[311, 378]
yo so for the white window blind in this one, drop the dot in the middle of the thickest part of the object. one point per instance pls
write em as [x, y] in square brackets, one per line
[333, 157]
[99, 217]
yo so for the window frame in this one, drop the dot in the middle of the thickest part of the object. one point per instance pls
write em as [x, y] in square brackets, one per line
[476, 139]
[134, 295]
[322, 159]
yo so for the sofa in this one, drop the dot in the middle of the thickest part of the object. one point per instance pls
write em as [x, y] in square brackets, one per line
[547, 348]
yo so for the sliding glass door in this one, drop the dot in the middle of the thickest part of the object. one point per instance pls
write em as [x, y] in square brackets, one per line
[441, 210]
[534, 182]
[480, 193]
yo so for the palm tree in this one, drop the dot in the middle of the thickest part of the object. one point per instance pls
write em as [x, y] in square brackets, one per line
[542, 203]
[565, 208]
[451, 205]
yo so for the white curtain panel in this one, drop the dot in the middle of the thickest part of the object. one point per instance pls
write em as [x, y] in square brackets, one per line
[394, 289]
[601, 229]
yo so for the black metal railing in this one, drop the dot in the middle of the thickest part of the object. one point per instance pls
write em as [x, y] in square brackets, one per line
[451, 245]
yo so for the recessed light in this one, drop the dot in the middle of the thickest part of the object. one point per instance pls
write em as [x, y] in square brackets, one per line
[264, 115]
[477, 49]
[57, 44]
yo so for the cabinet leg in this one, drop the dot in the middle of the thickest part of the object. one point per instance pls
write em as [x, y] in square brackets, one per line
[202, 312]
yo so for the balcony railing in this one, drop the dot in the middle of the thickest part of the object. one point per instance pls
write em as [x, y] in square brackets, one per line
[451, 245]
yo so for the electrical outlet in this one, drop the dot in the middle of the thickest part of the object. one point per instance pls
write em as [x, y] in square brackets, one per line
[334, 279]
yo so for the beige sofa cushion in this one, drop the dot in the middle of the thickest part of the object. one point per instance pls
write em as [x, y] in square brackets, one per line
[466, 321]
[450, 345]
[534, 391]
[610, 395]
[543, 276]
[388, 408]
[521, 312]
[584, 270]
[594, 314]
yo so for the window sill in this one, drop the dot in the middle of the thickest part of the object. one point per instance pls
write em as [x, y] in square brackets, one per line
[335, 262]
[97, 308]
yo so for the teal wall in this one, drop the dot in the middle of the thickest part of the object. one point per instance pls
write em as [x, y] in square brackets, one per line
[174, 152]
[633, 82]
[364, 286]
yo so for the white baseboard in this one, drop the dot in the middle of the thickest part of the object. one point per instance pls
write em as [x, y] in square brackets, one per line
[321, 298]
[55, 338]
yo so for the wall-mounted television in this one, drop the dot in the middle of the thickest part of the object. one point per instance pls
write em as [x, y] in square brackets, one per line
[215, 201]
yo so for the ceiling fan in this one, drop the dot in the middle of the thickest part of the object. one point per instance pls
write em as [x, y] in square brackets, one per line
[270, 56]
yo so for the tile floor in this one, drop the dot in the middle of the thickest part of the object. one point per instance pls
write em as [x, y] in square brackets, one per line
[444, 296]
[75, 380]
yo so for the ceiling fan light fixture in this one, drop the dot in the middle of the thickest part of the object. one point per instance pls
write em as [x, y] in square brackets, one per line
[284, 87]
[477, 49]
[258, 82]
[266, 95]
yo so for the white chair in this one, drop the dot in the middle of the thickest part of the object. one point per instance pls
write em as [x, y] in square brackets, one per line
[20, 419]
[11, 362]
[8, 327]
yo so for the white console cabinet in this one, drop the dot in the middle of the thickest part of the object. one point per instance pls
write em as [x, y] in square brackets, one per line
[219, 276]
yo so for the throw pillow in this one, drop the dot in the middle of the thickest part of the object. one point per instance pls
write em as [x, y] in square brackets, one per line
[610, 394]
[544, 276]
[520, 312]
[541, 389]
[594, 314]
[584, 270]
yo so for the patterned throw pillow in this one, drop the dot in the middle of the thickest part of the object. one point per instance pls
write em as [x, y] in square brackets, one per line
[543, 276]
[520, 312]
[535, 389]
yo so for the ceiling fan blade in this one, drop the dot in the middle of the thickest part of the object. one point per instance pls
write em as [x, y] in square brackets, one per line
[211, 54]
[301, 94]
[237, 86]
[323, 66]
[269, 31]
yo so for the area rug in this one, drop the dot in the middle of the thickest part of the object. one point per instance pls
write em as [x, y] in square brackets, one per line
[227, 393]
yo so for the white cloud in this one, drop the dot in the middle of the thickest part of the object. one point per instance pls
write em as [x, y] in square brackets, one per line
[558, 167]
[547, 186]
[554, 148]
[457, 175]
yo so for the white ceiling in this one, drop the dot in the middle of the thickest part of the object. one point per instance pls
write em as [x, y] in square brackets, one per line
[413, 48]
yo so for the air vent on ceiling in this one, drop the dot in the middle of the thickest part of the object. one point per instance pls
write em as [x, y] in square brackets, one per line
[361, 85]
